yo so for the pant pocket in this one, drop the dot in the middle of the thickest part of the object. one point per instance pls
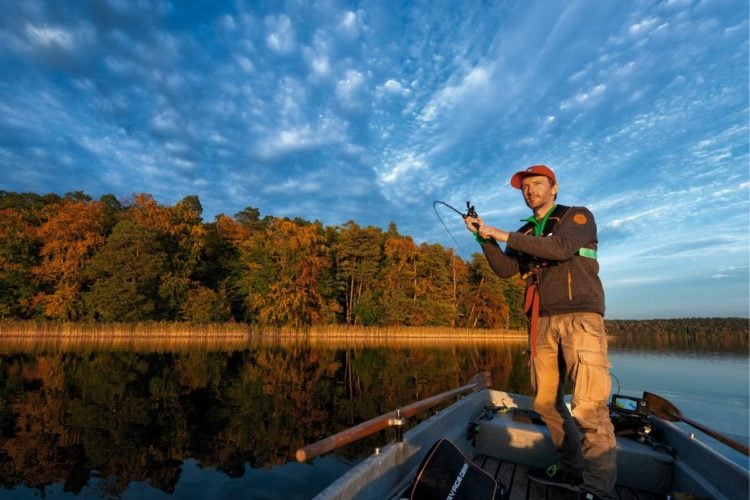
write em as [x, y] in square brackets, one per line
[592, 324]
[592, 382]
[589, 335]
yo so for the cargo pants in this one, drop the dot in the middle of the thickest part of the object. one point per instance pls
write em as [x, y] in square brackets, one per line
[573, 347]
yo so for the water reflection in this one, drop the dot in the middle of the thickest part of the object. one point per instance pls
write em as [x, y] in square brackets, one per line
[135, 416]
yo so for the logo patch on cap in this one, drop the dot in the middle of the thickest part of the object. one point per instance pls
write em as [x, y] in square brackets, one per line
[580, 219]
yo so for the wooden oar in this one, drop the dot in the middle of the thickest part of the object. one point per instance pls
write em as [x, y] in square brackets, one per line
[478, 381]
[667, 411]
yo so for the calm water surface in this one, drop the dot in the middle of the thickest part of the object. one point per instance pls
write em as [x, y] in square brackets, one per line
[154, 422]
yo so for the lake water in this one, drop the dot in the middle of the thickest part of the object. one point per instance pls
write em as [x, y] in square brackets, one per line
[158, 422]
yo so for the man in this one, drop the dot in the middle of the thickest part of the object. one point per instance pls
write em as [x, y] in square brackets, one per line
[555, 252]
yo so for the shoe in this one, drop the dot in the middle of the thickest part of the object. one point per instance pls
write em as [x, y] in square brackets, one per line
[556, 476]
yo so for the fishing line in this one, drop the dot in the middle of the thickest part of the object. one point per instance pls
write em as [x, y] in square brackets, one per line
[463, 216]
[619, 387]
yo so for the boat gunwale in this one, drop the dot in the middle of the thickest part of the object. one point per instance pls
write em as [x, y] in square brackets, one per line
[401, 460]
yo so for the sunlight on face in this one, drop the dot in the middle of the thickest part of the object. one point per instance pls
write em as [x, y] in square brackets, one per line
[538, 192]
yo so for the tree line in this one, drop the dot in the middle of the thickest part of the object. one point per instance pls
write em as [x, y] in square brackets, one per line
[695, 331]
[73, 258]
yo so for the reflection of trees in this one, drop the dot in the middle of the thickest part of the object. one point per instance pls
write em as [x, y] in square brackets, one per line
[129, 416]
[687, 334]
[136, 416]
[41, 447]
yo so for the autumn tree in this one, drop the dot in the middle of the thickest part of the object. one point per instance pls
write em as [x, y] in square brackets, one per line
[357, 254]
[460, 289]
[206, 305]
[250, 218]
[124, 277]
[487, 307]
[299, 257]
[186, 237]
[20, 217]
[399, 279]
[436, 285]
[70, 235]
[19, 244]
[74, 258]
[220, 270]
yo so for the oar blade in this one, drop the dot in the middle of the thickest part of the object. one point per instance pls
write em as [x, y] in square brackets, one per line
[661, 407]
[665, 410]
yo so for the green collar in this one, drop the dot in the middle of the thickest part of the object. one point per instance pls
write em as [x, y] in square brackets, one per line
[539, 226]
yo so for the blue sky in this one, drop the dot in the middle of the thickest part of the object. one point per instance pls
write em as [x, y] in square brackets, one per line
[369, 111]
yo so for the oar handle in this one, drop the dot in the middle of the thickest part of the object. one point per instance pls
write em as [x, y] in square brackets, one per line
[719, 437]
[479, 381]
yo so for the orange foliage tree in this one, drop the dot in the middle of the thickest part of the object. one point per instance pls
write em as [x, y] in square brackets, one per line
[72, 232]
[300, 257]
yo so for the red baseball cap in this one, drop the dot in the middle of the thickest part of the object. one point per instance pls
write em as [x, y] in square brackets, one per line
[544, 170]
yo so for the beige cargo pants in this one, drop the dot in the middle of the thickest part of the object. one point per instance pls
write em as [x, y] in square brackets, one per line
[574, 347]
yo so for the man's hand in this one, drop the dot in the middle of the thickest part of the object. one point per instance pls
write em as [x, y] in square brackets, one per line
[486, 232]
[473, 223]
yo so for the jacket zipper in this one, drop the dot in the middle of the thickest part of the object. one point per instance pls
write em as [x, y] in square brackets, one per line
[570, 286]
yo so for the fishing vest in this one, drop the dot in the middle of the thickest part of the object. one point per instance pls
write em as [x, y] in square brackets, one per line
[528, 264]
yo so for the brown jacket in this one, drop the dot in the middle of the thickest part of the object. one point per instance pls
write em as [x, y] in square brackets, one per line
[568, 281]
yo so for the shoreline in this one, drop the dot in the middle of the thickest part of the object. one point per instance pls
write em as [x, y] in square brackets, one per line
[235, 330]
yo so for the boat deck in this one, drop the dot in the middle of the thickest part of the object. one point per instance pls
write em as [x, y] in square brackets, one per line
[513, 476]
[505, 440]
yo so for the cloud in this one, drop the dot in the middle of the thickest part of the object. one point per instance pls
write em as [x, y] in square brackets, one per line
[246, 64]
[318, 55]
[280, 37]
[405, 166]
[448, 98]
[730, 271]
[394, 87]
[679, 4]
[299, 186]
[327, 111]
[277, 143]
[644, 27]
[589, 98]
[54, 44]
[167, 120]
[351, 89]
[289, 140]
[50, 37]
[348, 25]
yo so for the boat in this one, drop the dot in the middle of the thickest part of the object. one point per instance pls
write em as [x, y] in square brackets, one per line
[502, 434]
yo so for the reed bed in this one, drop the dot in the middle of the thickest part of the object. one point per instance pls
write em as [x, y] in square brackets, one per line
[148, 329]
[164, 329]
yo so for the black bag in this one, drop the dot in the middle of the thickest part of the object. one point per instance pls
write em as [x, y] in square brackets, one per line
[446, 473]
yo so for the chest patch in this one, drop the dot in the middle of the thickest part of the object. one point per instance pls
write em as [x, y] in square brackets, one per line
[580, 219]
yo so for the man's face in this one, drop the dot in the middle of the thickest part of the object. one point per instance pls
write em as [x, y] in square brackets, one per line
[538, 192]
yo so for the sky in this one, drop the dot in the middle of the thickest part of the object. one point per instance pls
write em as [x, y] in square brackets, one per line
[370, 111]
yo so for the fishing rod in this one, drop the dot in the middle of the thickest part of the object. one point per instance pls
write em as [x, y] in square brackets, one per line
[470, 212]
